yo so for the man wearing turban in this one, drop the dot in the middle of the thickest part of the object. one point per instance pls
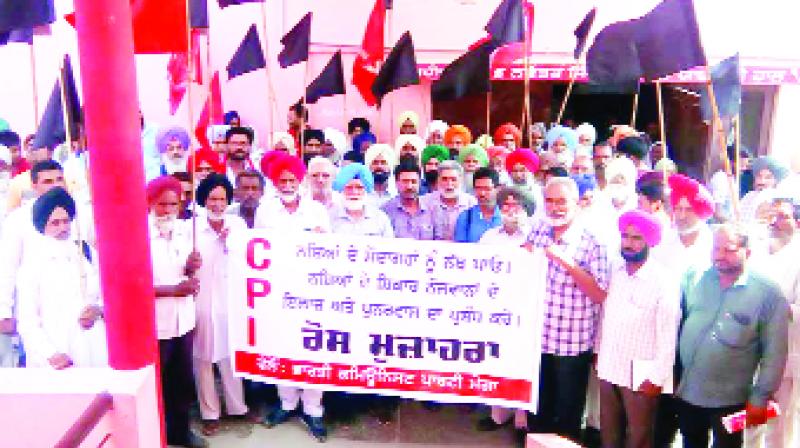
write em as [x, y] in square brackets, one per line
[357, 215]
[60, 313]
[203, 163]
[432, 156]
[457, 137]
[174, 267]
[408, 122]
[639, 327]
[15, 247]
[216, 137]
[508, 135]
[173, 144]
[434, 134]
[409, 146]
[522, 165]
[319, 182]
[472, 157]
[214, 194]
[768, 172]
[360, 144]
[381, 160]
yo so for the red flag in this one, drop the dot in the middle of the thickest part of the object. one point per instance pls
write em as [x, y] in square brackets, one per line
[178, 72]
[215, 104]
[159, 26]
[365, 68]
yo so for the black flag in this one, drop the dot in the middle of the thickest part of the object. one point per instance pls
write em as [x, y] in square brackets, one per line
[295, 43]
[399, 69]
[52, 130]
[248, 56]
[467, 75]
[330, 82]
[507, 24]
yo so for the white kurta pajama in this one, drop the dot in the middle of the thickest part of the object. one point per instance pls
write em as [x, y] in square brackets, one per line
[50, 300]
[211, 331]
[309, 215]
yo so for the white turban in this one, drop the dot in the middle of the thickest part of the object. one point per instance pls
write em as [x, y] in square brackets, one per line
[587, 130]
[414, 140]
[5, 155]
[337, 139]
[216, 132]
[622, 166]
[436, 126]
[287, 140]
[380, 149]
[408, 115]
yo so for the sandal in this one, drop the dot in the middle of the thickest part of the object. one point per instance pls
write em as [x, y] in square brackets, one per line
[210, 427]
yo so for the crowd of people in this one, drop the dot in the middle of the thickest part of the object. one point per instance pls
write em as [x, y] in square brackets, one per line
[669, 302]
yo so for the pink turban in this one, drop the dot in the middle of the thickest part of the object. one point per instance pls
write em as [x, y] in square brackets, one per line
[698, 196]
[268, 158]
[288, 163]
[524, 156]
[646, 223]
[157, 186]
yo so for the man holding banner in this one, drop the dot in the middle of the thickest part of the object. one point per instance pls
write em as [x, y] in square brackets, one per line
[577, 280]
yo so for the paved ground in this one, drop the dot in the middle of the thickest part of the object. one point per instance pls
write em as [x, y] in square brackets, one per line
[452, 426]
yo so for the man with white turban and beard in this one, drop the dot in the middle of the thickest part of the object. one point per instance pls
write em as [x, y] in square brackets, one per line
[60, 313]
[216, 138]
[434, 134]
[173, 145]
[381, 160]
[409, 145]
[319, 182]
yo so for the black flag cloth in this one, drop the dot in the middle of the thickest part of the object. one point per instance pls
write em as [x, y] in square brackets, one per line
[52, 130]
[399, 69]
[669, 40]
[330, 82]
[727, 90]
[507, 24]
[295, 43]
[582, 32]
[467, 75]
[612, 59]
[20, 14]
[248, 56]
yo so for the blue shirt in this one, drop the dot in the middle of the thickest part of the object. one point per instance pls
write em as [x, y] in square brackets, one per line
[470, 225]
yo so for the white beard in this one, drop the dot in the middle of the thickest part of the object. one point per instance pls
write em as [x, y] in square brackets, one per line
[354, 204]
[214, 216]
[557, 222]
[165, 224]
[172, 166]
[288, 198]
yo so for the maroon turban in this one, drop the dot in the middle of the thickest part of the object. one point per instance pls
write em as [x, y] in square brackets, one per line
[525, 157]
[283, 163]
[157, 186]
[698, 196]
[647, 224]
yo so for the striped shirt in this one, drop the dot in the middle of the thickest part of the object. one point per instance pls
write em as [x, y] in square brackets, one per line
[639, 326]
[570, 320]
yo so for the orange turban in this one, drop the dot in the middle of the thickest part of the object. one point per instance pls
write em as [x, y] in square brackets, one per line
[455, 130]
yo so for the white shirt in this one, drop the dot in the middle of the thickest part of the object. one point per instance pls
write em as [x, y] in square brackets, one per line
[53, 289]
[211, 332]
[783, 269]
[374, 222]
[677, 258]
[310, 214]
[499, 236]
[175, 316]
[639, 326]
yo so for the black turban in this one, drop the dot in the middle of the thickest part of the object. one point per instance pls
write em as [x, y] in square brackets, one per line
[47, 203]
[633, 147]
[211, 182]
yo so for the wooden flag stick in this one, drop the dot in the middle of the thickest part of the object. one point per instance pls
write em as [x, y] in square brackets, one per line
[566, 97]
[661, 129]
[210, 80]
[190, 111]
[527, 79]
[716, 124]
[35, 87]
[489, 113]
[635, 109]
[303, 112]
[68, 135]
[273, 107]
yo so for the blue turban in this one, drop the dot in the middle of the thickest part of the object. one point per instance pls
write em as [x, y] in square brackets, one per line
[569, 136]
[47, 203]
[778, 169]
[174, 133]
[230, 115]
[585, 182]
[354, 171]
[359, 139]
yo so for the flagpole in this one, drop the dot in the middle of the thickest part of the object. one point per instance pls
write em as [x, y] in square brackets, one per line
[392, 125]
[489, 112]
[737, 142]
[209, 79]
[190, 110]
[34, 86]
[68, 136]
[304, 110]
[526, 111]
[717, 127]
[661, 129]
[270, 87]
[566, 96]
[635, 109]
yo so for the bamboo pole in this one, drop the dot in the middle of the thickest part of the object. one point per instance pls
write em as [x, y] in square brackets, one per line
[190, 111]
[489, 113]
[716, 124]
[527, 79]
[563, 107]
[635, 109]
[662, 131]
[273, 107]
[34, 86]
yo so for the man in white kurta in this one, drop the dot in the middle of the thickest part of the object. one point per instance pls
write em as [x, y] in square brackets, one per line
[638, 331]
[779, 262]
[17, 230]
[214, 227]
[60, 313]
[291, 212]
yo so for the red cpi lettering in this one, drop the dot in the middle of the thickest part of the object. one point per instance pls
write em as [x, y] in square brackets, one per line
[256, 288]
[263, 263]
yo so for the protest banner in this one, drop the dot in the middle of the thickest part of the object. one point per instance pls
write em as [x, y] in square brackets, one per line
[418, 319]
